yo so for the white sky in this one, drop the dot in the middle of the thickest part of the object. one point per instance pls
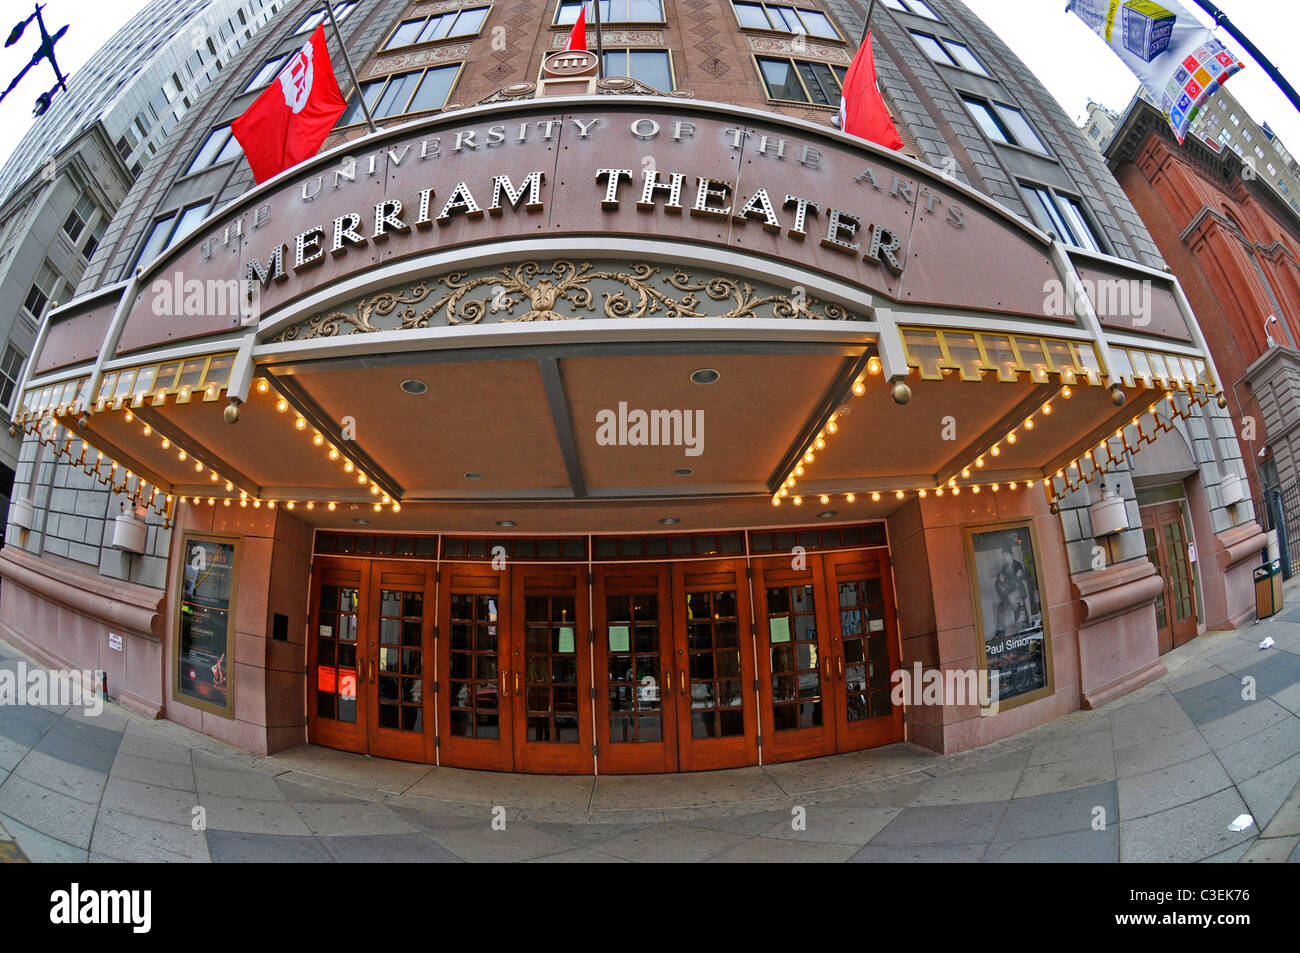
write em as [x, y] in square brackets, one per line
[1072, 62]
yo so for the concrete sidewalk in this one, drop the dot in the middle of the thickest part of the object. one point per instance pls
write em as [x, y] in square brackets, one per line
[1165, 770]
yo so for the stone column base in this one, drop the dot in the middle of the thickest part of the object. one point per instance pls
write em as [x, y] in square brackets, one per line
[1118, 647]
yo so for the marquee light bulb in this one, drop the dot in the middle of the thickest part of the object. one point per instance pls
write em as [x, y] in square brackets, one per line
[300, 424]
[979, 464]
[374, 490]
[182, 455]
[1029, 423]
[348, 467]
[129, 417]
[820, 444]
[262, 386]
[921, 493]
[397, 507]
[1047, 408]
[996, 450]
[166, 444]
[378, 507]
[798, 471]
[198, 467]
[859, 388]
[1011, 437]
[798, 501]
[832, 427]
[965, 473]
[334, 453]
[318, 440]
[776, 500]
[229, 486]
[147, 430]
[289, 504]
[331, 507]
[213, 476]
[994, 488]
[808, 457]
[1065, 392]
[824, 498]
[361, 479]
[873, 366]
[311, 505]
[899, 495]
[281, 405]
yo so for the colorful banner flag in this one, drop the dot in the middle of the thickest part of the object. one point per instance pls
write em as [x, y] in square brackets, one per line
[287, 123]
[1179, 62]
[578, 35]
[862, 109]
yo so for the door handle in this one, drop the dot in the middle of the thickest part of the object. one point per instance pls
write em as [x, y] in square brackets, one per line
[516, 683]
[668, 681]
[839, 661]
[372, 671]
[827, 666]
[505, 684]
[681, 682]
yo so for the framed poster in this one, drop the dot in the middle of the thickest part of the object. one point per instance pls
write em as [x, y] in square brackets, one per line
[205, 624]
[1015, 646]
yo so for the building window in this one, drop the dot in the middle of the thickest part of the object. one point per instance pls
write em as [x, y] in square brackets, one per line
[10, 368]
[1004, 124]
[267, 72]
[798, 81]
[1272, 169]
[949, 52]
[916, 7]
[770, 16]
[652, 67]
[1281, 184]
[341, 10]
[613, 11]
[41, 291]
[1234, 119]
[414, 91]
[1095, 132]
[220, 146]
[170, 229]
[1259, 152]
[93, 239]
[440, 26]
[1245, 134]
[79, 217]
[1224, 136]
[1062, 214]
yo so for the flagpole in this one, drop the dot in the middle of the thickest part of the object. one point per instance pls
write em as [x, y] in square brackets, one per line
[866, 25]
[365, 108]
[600, 43]
[1221, 19]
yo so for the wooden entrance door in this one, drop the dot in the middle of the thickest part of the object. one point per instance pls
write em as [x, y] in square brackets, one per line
[476, 690]
[795, 673]
[864, 649]
[1166, 542]
[713, 663]
[636, 714]
[550, 670]
[372, 635]
[338, 695]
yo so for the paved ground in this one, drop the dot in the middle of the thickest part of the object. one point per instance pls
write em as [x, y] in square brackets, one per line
[1163, 772]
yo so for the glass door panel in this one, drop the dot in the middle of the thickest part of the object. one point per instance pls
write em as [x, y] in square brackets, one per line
[550, 662]
[397, 640]
[474, 691]
[715, 654]
[864, 649]
[334, 717]
[794, 664]
[635, 726]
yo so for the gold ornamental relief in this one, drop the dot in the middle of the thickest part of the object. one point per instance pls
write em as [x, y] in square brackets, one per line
[562, 290]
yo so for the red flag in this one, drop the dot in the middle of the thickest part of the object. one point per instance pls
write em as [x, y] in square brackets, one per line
[862, 108]
[578, 38]
[288, 122]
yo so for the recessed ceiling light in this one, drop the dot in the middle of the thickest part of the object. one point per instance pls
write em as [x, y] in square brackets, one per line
[505, 524]
[826, 514]
[414, 387]
[472, 475]
[705, 375]
[670, 521]
[683, 471]
[360, 522]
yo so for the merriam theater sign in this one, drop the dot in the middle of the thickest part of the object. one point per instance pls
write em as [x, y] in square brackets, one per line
[608, 173]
